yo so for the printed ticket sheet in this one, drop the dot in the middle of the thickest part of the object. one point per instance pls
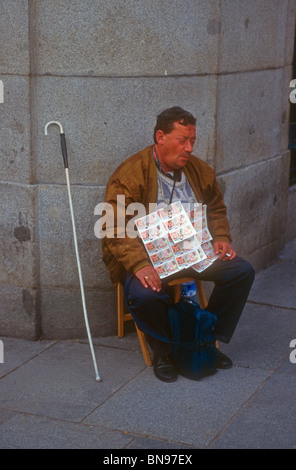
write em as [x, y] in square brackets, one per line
[176, 240]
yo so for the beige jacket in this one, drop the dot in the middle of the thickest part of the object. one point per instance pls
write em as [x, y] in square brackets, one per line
[136, 179]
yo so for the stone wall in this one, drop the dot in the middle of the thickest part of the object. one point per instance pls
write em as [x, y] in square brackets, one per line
[105, 70]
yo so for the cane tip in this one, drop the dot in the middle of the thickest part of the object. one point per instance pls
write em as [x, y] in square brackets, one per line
[98, 378]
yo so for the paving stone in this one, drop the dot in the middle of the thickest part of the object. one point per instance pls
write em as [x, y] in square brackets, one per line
[186, 411]
[33, 432]
[262, 338]
[276, 286]
[60, 383]
[267, 421]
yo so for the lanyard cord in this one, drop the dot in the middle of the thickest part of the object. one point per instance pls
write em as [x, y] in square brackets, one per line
[176, 176]
[172, 192]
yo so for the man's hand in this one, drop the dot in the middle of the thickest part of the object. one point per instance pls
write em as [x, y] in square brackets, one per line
[225, 250]
[149, 278]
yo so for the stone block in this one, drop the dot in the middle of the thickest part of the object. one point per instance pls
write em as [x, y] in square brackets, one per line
[15, 151]
[61, 304]
[127, 38]
[264, 255]
[58, 264]
[290, 31]
[256, 198]
[106, 120]
[63, 318]
[287, 75]
[14, 34]
[17, 235]
[253, 35]
[18, 312]
[251, 117]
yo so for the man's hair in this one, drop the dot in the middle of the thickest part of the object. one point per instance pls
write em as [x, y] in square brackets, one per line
[166, 119]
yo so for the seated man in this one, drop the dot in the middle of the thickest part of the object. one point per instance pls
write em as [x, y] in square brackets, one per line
[164, 172]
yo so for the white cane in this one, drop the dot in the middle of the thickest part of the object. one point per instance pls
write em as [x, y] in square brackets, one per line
[65, 157]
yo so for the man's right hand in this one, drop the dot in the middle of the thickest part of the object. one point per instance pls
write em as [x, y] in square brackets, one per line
[149, 278]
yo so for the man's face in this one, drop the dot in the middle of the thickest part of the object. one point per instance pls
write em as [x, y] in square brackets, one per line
[173, 149]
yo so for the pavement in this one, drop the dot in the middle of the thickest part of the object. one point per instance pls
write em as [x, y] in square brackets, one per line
[49, 398]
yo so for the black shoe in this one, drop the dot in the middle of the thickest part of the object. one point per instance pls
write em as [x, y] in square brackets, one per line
[222, 361]
[164, 368]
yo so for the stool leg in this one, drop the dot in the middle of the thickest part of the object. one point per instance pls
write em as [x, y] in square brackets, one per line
[201, 294]
[120, 311]
[121, 315]
[144, 347]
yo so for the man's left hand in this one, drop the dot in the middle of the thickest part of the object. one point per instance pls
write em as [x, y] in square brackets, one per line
[225, 250]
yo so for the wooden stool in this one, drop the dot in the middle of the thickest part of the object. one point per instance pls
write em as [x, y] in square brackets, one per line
[124, 315]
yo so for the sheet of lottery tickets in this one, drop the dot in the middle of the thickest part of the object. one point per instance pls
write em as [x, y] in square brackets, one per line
[176, 240]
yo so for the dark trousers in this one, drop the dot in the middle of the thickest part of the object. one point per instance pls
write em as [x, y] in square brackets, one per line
[233, 280]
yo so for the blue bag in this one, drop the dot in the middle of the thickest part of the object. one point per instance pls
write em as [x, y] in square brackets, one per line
[193, 340]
